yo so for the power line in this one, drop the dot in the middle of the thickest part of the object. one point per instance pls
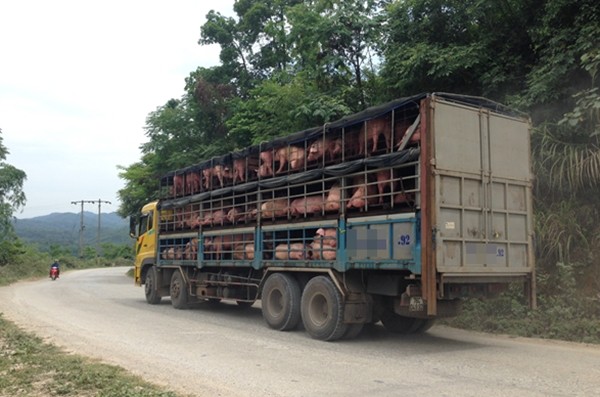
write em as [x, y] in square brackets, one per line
[82, 227]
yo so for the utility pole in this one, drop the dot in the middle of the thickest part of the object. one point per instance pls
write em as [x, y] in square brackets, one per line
[81, 226]
[98, 236]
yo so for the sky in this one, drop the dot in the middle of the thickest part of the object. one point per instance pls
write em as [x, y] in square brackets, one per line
[77, 81]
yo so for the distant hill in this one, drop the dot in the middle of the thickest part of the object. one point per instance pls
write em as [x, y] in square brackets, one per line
[63, 229]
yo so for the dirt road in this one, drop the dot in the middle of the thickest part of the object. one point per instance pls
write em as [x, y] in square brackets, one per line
[225, 350]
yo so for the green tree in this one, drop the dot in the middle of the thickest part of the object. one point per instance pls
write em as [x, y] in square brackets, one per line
[335, 42]
[115, 251]
[57, 251]
[282, 107]
[12, 196]
[141, 185]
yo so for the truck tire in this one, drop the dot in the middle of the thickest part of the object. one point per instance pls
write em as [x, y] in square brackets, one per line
[178, 290]
[151, 287]
[424, 327]
[322, 309]
[281, 302]
[353, 331]
[400, 324]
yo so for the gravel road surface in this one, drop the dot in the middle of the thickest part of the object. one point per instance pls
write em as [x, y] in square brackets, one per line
[225, 350]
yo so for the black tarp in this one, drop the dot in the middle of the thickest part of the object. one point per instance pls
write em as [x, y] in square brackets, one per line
[402, 104]
[384, 161]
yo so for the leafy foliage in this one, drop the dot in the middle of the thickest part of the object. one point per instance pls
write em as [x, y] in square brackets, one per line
[12, 196]
[289, 64]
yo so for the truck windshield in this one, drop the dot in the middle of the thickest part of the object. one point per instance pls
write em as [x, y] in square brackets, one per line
[145, 223]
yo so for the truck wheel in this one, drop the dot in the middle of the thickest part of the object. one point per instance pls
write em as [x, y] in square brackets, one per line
[425, 325]
[151, 287]
[179, 294]
[281, 302]
[400, 324]
[322, 310]
[353, 331]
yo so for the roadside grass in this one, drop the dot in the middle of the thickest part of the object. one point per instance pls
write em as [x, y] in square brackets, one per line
[32, 264]
[31, 367]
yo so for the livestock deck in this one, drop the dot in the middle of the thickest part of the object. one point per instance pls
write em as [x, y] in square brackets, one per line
[393, 214]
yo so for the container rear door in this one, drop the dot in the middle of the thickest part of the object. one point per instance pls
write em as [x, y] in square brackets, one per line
[482, 204]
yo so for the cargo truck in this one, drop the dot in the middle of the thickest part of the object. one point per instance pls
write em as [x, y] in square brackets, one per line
[394, 214]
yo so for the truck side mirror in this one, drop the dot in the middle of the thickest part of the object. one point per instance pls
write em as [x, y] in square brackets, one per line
[132, 225]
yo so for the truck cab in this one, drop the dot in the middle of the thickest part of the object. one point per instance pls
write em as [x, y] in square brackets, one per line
[143, 229]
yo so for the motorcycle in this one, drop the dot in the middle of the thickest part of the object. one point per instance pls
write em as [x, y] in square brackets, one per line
[54, 273]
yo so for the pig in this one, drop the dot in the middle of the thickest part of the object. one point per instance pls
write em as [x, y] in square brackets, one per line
[238, 215]
[220, 171]
[196, 220]
[239, 168]
[172, 253]
[191, 250]
[178, 185]
[404, 198]
[384, 180]
[363, 194]
[214, 218]
[327, 236]
[207, 245]
[263, 171]
[266, 167]
[294, 251]
[322, 251]
[332, 203]
[186, 217]
[401, 129]
[226, 242]
[167, 253]
[274, 208]
[371, 132]
[292, 154]
[243, 251]
[219, 217]
[326, 148]
[192, 183]
[207, 177]
[306, 205]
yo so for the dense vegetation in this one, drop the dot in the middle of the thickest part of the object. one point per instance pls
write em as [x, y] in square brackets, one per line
[287, 65]
[59, 233]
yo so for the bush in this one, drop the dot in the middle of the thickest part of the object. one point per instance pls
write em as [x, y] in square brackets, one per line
[564, 312]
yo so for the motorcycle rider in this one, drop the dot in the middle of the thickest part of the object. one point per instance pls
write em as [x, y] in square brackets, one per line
[56, 266]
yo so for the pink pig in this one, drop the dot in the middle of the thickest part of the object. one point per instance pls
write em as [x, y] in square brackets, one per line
[294, 251]
[306, 205]
[266, 168]
[328, 147]
[322, 251]
[239, 168]
[332, 203]
[383, 181]
[274, 208]
[327, 236]
[363, 195]
[374, 128]
[292, 154]
[178, 185]
[243, 251]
